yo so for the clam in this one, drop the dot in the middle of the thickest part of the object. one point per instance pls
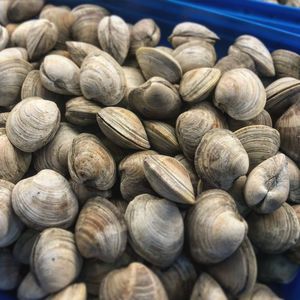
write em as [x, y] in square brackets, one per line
[221, 158]
[258, 52]
[237, 274]
[13, 72]
[154, 62]
[114, 37]
[196, 85]
[10, 226]
[215, 228]
[133, 78]
[195, 54]
[19, 36]
[4, 37]
[189, 31]
[260, 141]
[102, 79]
[192, 125]
[155, 228]
[60, 75]
[240, 94]
[261, 292]
[157, 98]
[206, 288]
[32, 123]
[55, 154]
[294, 177]
[275, 232]
[87, 18]
[133, 181]
[14, 52]
[76, 291]
[45, 200]
[144, 33]
[123, 128]
[101, 231]
[55, 261]
[169, 178]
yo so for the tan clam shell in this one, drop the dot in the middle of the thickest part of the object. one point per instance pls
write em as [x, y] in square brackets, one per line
[102, 79]
[260, 141]
[133, 282]
[133, 78]
[10, 226]
[190, 31]
[123, 128]
[195, 54]
[76, 291]
[19, 35]
[240, 94]
[133, 181]
[192, 125]
[13, 72]
[14, 52]
[196, 85]
[154, 62]
[261, 292]
[54, 155]
[215, 228]
[294, 176]
[157, 98]
[275, 232]
[155, 228]
[101, 231]
[169, 178]
[55, 260]
[220, 158]
[4, 37]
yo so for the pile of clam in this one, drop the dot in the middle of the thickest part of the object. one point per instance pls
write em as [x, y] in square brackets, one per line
[136, 171]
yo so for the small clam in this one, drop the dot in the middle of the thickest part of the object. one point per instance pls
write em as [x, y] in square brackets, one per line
[154, 62]
[155, 228]
[196, 85]
[14, 52]
[261, 292]
[4, 37]
[60, 75]
[192, 125]
[169, 178]
[188, 31]
[275, 232]
[102, 79]
[220, 158]
[76, 291]
[157, 98]
[123, 127]
[240, 94]
[134, 282]
[294, 176]
[55, 261]
[215, 228]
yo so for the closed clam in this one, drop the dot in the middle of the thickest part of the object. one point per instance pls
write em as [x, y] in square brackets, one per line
[240, 94]
[275, 232]
[215, 228]
[154, 62]
[195, 54]
[114, 37]
[157, 98]
[45, 200]
[55, 260]
[189, 31]
[169, 178]
[260, 141]
[192, 124]
[220, 158]
[13, 72]
[196, 85]
[55, 154]
[4, 37]
[102, 79]
[123, 127]
[10, 226]
[155, 228]
[60, 75]
[14, 52]
[261, 292]
[133, 179]
[76, 291]
[133, 282]
[294, 177]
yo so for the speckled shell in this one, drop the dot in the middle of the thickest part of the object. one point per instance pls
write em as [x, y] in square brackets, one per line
[76, 291]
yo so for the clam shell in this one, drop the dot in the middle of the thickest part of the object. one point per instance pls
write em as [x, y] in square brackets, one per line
[45, 200]
[19, 35]
[240, 94]
[155, 228]
[4, 37]
[55, 261]
[294, 176]
[133, 78]
[169, 178]
[154, 62]
[261, 292]
[76, 291]
[14, 52]
[166, 49]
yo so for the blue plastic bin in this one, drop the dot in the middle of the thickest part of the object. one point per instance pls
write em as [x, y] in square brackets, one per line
[276, 25]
